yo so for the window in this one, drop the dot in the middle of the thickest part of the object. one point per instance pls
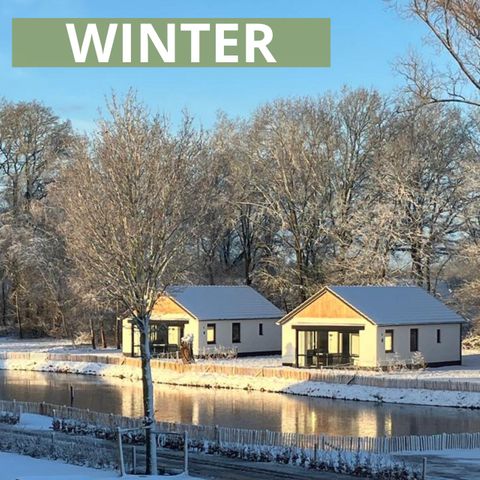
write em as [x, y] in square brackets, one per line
[211, 334]
[235, 333]
[260, 328]
[414, 339]
[439, 336]
[388, 341]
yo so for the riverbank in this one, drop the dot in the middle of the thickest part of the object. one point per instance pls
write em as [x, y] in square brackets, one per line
[32, 360]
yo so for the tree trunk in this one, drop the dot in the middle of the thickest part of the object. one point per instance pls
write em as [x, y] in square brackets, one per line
[102, 336]
[19, 320]
[4, 304]
[118, 339]
[148, 400]
[92, 335]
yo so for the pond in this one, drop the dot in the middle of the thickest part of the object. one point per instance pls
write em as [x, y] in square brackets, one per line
[239, 408]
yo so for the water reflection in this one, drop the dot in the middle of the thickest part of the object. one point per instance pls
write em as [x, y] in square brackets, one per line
[239, 408]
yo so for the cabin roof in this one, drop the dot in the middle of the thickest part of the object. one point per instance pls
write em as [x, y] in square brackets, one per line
[390, 305]
[223, 302]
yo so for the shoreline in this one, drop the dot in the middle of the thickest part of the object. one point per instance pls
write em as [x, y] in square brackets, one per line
[335, 391]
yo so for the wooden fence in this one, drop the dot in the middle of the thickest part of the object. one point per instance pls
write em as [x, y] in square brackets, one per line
[239, 436]
[382, 380]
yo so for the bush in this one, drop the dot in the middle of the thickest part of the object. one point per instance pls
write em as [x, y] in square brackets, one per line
[418, 361]
[9, 418]
[218, 353]
[472, 341]
[396, 364]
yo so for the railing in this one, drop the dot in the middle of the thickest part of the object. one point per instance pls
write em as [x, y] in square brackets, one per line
[239, 436]
[301, 375]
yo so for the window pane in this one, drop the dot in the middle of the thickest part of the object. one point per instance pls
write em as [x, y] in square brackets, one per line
[354, 344]
[414, 340]
[388, 341]
[235, 333]
[211, 333]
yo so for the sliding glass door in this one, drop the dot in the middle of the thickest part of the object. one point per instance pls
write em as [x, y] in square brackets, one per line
[318, 347]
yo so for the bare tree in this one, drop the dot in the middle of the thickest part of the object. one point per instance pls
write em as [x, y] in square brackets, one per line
[422, 180]
[33, 142]
[287, 140]
[130, 205]
[454, 25]
[215, 244]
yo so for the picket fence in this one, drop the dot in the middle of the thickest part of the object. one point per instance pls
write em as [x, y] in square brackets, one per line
[224, 436]
[374, 379]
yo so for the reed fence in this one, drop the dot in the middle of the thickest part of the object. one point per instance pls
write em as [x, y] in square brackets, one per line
[381, 380]
[224, 436]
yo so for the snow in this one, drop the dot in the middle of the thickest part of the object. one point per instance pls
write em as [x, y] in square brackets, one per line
[51, 345]
[32, 421]
[224, 302]
[19, 467]
[397, 305]
[15, 467]
[456, 454]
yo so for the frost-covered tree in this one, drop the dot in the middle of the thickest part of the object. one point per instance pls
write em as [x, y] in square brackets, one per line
[133, 198]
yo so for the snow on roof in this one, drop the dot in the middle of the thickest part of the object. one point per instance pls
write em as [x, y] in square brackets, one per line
[223, 302]
[397, 305]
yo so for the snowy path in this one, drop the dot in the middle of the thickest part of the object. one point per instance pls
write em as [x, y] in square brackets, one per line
[450, 464]
[20, 467]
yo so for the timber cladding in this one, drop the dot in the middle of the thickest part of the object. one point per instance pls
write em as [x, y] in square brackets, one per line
[166, 306]
[328, 306]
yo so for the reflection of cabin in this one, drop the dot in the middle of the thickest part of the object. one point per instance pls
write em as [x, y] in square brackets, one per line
[370, 326]
[228, 317]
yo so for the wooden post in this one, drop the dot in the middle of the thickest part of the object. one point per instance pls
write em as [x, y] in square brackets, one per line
[134, 460]
[185, 452]
[424, 468]
[72, 395]
[121, 463]
[315, 452]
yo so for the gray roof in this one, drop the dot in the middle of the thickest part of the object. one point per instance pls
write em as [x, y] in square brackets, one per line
[224, 302]
[397, 305]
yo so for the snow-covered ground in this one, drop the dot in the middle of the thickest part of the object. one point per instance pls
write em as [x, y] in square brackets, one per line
[32, 421]
[50, 345]
[19, 467]
[447, 464]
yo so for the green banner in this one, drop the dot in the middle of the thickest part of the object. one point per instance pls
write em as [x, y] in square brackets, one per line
[171, 42]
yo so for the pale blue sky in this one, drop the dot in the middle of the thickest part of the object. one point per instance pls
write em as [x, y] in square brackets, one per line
[367, 37]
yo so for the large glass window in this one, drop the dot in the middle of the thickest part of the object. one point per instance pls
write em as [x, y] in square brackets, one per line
[318, 347]
[211, 334]
[159, 334]
[388, 341]
[236, 333]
